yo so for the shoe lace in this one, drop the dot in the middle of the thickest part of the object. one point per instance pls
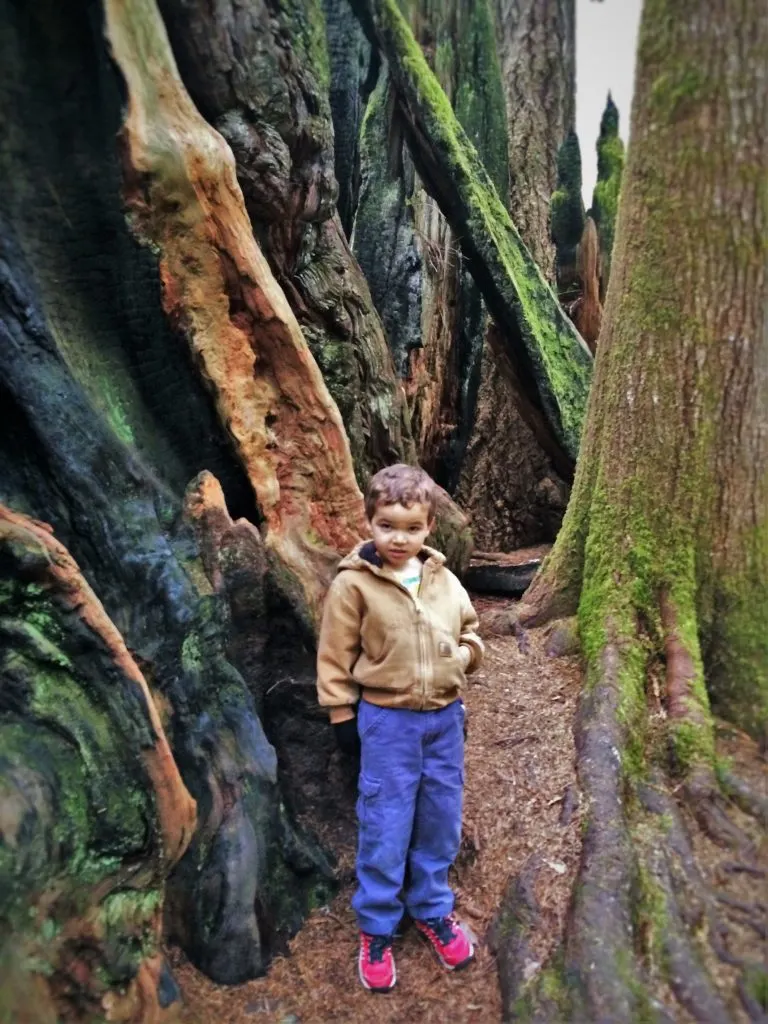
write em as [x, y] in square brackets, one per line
[377, 947]
[442, 927]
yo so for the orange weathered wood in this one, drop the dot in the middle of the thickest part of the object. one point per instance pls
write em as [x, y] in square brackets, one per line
[219, 293]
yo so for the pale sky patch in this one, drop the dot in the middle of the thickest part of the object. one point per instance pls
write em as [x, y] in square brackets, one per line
[606, 40]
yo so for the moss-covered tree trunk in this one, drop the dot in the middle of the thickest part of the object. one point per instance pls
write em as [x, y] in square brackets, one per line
[515, 495]
[545, 360]
[664, 549]
[432, 309]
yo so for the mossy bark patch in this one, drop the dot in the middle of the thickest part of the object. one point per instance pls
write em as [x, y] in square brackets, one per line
[552, 360]
[91, 794]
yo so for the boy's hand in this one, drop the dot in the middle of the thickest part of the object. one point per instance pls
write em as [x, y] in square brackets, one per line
[347, 738]
[465, 656]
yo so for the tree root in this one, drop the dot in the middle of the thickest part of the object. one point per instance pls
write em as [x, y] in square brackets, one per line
[699, 902]
[751, 914]
[509, 935]
[736, 867]
[744, 796]
[688, 979]
[708, 806]
[599, 946]
[756, 1010]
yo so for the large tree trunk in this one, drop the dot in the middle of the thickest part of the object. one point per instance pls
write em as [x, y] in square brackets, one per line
[259, 74]
[664, 548]
[546, 361]
[537, 47]
[515, 495]
[94, 811]
[431, 307]
[106, 417]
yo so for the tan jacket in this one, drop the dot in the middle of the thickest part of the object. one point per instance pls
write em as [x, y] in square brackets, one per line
[400, 651]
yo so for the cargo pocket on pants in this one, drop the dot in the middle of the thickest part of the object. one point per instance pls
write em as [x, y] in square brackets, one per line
[368, 789]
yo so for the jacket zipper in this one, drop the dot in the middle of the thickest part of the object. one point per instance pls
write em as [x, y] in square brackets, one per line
[419, 630]
[424, 660]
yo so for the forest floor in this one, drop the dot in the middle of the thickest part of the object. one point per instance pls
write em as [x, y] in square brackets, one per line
[521, 801]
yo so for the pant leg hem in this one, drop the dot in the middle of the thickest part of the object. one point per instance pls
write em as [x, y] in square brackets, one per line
[422, 913]
[371, 927]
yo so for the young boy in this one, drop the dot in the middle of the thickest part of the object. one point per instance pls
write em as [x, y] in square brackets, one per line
[398, 635]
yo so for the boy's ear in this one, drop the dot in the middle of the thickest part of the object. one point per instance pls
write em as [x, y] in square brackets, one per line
[432, 525]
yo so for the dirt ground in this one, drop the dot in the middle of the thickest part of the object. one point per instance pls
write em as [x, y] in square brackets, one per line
[521, 800]
[519, 765]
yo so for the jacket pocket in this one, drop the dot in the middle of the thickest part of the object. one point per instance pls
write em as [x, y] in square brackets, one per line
[449, 671]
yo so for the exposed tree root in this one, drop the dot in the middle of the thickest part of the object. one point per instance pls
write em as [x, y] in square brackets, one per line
[509, 935]
[750, 912]
[641, 906]
[756, 1010]
[708, 806]
[599, 947]
[688, 978]
[744, 796]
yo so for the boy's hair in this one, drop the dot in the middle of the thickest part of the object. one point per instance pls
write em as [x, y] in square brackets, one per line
[400, 485]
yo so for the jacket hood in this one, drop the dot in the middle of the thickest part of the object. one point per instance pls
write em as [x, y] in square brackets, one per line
[365, 556]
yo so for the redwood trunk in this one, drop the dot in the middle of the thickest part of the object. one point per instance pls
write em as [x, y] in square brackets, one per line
[514, 493]
[664, 547]
[673, 476]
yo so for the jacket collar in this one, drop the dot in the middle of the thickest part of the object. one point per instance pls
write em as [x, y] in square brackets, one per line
[365, 556]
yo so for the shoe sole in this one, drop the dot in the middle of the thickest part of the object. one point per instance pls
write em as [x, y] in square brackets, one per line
[443, 963]
[380, 991]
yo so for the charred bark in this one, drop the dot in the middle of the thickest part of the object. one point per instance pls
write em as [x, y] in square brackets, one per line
[535, 337]
[515, 495]
[259, 74]
[104, 420]
[432, 309]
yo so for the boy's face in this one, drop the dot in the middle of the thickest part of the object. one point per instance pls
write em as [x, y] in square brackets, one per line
[399, 532]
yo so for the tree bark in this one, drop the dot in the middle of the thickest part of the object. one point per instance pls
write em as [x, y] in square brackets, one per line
[260, 75]
[664, 546]
[219, 289]
[515, 495]
[552, 365]
[673, 472]
[94, 808]
[432, 310]
[105, 420]
[537, 48]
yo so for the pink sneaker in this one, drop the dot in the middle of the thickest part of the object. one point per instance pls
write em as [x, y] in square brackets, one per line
[449, 940]
[375, 964]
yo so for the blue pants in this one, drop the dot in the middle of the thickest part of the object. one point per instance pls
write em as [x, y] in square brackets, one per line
[409, 812]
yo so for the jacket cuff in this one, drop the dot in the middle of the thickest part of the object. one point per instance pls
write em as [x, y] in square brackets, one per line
[342, 713]
[476, 649]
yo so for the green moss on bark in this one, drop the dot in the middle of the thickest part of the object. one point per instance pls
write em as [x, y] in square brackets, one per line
[516, 293]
